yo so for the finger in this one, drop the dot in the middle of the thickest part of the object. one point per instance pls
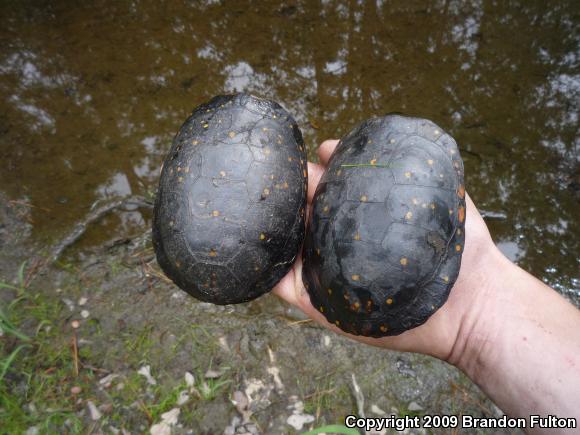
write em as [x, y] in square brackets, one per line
[315, 172]
[285, 288]
[325, 150]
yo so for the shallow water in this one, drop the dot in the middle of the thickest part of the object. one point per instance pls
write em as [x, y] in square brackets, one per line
[91, 95]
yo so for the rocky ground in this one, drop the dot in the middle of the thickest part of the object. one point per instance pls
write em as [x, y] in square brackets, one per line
[103, 343]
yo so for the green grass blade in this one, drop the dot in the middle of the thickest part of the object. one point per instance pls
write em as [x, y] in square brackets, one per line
[8, 286]
[21, 275]
[7, 362]
[333, 428]
[8, 327]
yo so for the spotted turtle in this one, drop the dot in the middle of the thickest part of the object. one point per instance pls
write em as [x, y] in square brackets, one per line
[387, 228]
[230, 210]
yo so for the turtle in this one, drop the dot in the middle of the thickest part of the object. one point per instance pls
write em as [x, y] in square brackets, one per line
[229, 216]
[386, 231]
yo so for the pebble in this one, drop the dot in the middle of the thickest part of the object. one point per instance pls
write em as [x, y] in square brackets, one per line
[224, 344]
[106, 408]
[75, 324]
[70, 304]
[182, 398]
[297, 421]
[189, 379]
[85, 314]
[414, 406]
[404, 367]
[107, 380]
[146, 371]
[377, 411]
[83, 301]
[76, 390]
[168, 419]
[213, 374]
[95, 413]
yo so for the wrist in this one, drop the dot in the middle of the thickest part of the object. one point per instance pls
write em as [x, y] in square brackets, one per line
[481, 325]
[519, 340]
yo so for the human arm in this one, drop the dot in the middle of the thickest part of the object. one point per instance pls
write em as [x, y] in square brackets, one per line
[512, 335]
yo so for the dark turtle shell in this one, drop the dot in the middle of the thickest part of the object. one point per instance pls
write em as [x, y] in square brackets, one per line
[229, 215]
[386, 233]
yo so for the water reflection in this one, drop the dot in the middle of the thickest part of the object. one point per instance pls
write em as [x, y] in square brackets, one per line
[91, 95]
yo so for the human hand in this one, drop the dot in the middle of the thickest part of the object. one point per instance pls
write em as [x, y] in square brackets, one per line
[441, 333]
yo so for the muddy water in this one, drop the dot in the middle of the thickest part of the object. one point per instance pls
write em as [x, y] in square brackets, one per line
[91, 95]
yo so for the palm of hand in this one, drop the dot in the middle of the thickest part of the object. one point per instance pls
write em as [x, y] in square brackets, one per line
[439, 335]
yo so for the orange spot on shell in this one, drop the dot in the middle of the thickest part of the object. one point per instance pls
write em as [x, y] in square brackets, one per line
[355, 277]
[403, 261]
[461, 214]
[389, 301]
[461, 191]
[383, 328]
